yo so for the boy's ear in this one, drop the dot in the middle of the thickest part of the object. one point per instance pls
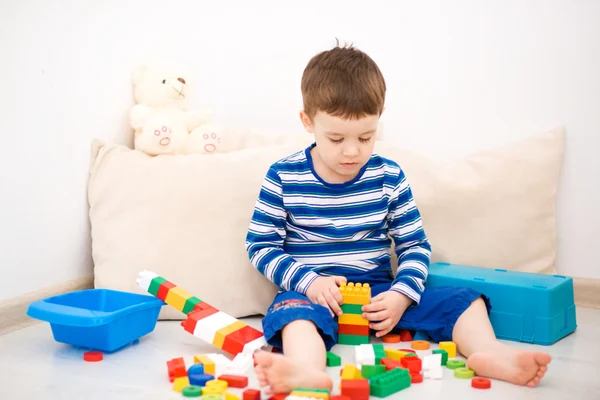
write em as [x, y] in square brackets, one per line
[307, 122]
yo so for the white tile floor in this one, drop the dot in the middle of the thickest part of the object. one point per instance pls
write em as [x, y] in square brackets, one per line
[34, 366]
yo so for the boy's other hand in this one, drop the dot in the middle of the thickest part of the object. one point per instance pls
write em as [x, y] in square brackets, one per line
[325, 291]
[385, 310]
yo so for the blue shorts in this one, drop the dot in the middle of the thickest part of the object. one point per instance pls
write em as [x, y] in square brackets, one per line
[435, 315]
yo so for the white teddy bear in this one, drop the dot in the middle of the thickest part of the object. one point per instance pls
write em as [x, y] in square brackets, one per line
[160, 119]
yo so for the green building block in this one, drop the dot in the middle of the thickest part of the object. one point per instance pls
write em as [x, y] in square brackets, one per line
[310, 390]
[369, 371]
[333, 360]
[379, 351]
[353, 340]
[444, 354]
[453, 364]
[352, 308]
[155, 284]
[190, 304]
[389, 382]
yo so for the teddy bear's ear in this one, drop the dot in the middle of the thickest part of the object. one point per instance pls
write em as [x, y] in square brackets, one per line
[138, 73]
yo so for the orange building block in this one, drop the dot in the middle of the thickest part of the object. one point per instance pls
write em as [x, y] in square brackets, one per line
[355, 293]
[192, 318]
[176, 368]
[234, 342]
[222, 333]
[347, 329]
[356, 389]
[235, 381]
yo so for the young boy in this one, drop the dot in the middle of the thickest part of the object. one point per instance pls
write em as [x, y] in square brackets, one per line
[325, 216]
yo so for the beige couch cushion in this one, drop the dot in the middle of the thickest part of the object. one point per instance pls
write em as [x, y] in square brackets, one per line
[186, 217]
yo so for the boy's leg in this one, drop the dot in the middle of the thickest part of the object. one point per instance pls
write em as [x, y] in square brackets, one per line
[461, 315]
[291, 324]
[475, 339]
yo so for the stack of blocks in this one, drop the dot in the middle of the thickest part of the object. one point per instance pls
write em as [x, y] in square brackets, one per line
[203, 320]
[353, 329]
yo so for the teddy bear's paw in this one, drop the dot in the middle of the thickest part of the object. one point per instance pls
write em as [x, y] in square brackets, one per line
[211, 141]
[163, 135]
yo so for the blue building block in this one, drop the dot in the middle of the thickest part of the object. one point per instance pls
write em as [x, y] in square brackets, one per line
[526, 307]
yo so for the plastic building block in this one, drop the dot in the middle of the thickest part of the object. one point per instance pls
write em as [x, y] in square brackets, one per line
[432, 361]
[434, 373]
[405, 336]
[278, 396]
[207, 363]
[464, 373]
[190, 305]
[235, 381]
[379, 351]
[98, 319]
[352, 340]
[391, 338]
[230, 396]
[355, 293]
[453, 364]
[195, 369]
[527, 307]
[251, 394]
[177, 297]
[395, 354]
[350, 372]
[339, 397]
[416, 377]
[352, 319]
[360, 330]
[421, 335]
[207, 327]
[390, 364]
[412, 363]
[333, 360]
[176, 368]
[163, 290]
[450, 348]
[369, 371]
[199, 379]
[180, 382]
[240, 365]
[444, 354]
[144, 280]
[481, 383]
[364, 354]
[390, 382]
[212, 397]
[217, 383]
[93, 356]
[356, 389]
[420, 345]
[155, 285]
[310, 393]
[192, 391]
[351, 308]
[192, 319]
[244, 340]
[223, 332]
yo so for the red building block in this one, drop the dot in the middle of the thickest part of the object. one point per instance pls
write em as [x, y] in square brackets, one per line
[251, 394]
[163, 290]
[192, 318]
[347, 329]
[234, 342]
[202, 306]
[176, 368]
[339, 397]
[390, 364]
[235, 381]
[278, 396]
[412, 363]
[356, 389]
[405, 336]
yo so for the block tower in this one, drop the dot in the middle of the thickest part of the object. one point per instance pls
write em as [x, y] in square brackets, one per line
[203, 320]
[353, 329]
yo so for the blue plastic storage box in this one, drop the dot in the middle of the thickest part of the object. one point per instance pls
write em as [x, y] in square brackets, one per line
[98, 319]
[526, 307]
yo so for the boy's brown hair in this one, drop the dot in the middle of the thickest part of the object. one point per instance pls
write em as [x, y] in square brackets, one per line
[343, 82]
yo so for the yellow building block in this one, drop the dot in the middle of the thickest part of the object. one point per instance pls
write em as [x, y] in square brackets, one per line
[217, 383]
[212, 390]
[209, 365]
[176, 297]
[231, 396]
[394, 354]
[312, 395]
[351, 372]
[352, 319]
[180, 383]
[450, 348]
[221, 333]
[356, 293]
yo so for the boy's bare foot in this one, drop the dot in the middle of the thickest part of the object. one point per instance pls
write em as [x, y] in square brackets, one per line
[283, 374]
[520, 367]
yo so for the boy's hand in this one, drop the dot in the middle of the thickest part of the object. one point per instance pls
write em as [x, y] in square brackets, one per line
[325, 291]
[385, 309]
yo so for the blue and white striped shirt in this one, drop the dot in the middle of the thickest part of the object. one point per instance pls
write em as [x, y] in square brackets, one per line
[303, 227]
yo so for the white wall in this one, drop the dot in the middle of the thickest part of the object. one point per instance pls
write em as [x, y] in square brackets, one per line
[462, 75]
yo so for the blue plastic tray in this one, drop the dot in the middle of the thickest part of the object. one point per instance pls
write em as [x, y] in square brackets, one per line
[526, 307]
[98, 319]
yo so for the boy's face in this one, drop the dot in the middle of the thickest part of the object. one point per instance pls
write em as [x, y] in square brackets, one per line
[344, 146]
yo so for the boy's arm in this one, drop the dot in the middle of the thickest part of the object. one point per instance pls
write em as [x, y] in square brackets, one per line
[411, 244]
[266, 236]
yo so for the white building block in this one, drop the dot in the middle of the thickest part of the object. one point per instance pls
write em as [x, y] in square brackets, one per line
[364, 354]
[207, 327]
[256, 344]
[432, 361]
[144, 279]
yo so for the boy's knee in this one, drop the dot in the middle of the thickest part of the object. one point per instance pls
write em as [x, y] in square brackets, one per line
[300, 325]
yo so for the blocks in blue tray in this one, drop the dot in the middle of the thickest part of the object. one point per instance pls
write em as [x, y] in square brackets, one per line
[526, 307]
